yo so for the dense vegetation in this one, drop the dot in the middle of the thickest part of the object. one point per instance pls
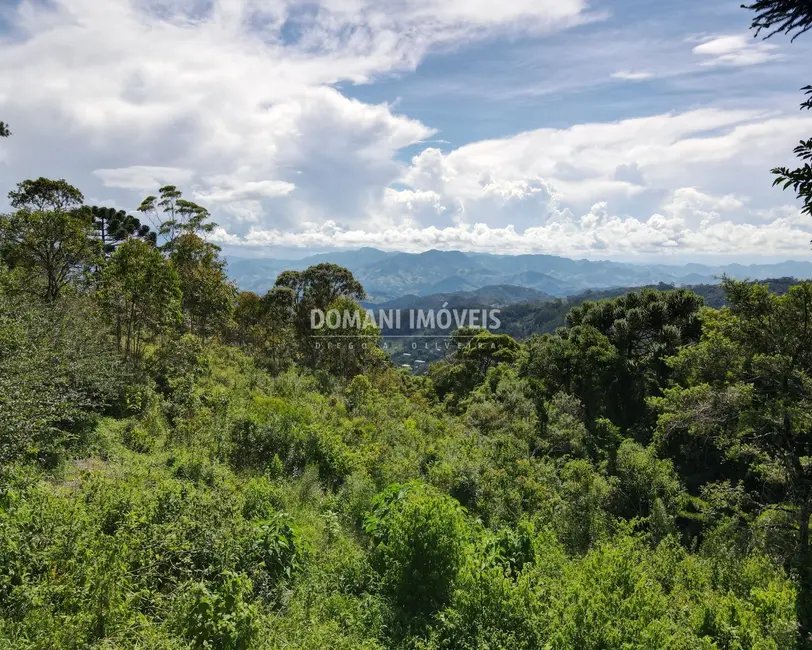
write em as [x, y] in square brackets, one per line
[186, 466]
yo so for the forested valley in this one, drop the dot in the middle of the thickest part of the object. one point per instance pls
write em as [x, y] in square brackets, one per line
[183, 465]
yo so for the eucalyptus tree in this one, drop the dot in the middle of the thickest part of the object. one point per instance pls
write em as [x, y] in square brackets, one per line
[311, 290]
[173, 216]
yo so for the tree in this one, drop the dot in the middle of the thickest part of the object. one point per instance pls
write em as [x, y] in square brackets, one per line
[312, 290]
[141, 290]
[248, 317]
[781, 16]
[116, 226]
[579, 361]
[353, 347]
[4, 132]
[207, 293]
[263, 326]
[476, 350]
[317, 286]
[419, 538]
[49, 236]
[173, 216]
[747, 389]
[788, 16]
[57, 371]
[612, 353]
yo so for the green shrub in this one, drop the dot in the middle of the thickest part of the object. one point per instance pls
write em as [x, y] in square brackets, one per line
[58, 372]
[276, 551]
[420, 538]
[136, 438]
[218, 616]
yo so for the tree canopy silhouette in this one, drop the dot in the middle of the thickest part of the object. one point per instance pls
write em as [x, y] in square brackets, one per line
[781, 16]
[789, 17]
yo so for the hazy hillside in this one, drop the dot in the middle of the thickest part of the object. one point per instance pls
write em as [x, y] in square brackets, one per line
[494, 296]
[387, 276]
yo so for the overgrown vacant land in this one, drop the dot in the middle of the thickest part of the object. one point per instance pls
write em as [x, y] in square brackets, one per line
[182, 467]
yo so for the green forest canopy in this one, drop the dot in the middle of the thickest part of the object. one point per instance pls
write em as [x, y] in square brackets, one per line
[183, 465]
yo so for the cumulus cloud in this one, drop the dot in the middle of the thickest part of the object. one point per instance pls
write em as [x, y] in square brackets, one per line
[694, 208]
[735, 50]
[218, 86]
[515, 195]
[238, 102]
[597, 230]
[510, 195]
[520, 179]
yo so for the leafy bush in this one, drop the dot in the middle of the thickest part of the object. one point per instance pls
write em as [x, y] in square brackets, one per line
[57, 374]
[420, 538]
[220, 616]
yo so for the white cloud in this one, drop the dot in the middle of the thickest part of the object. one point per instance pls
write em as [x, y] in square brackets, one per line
[693, 207]
[596, 231]
[515, 194]
[736, 50]
[237, 102]
[222, 86]
[619, 161]
[628, 75]
[250, 190]
[143, 178]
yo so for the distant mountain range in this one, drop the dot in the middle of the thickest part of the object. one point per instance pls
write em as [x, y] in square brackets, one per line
[388, 276]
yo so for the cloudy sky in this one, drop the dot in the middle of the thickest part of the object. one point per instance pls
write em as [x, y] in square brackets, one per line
[630, 129]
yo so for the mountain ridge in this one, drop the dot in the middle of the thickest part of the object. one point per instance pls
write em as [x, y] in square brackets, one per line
[390, 275]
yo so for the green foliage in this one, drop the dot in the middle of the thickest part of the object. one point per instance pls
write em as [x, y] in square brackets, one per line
[57, 372]
[302, 293]
[647, 487]
[420, 537]
[643, 329]
[141, 292]
[176, 366]
[113, 227]
[275, 553]
[277, 431]
[206, 290]
[218, 617]
[475, 352]
[755, 409]
[350, 349]
[263, 327]
[47, 240]
[251, 489]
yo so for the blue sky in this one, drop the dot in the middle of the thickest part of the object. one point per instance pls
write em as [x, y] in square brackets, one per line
[623, 130]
